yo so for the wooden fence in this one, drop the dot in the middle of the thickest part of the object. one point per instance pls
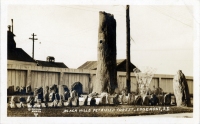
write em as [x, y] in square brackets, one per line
[22, 75]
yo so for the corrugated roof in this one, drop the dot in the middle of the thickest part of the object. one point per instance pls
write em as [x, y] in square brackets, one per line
[92, 65]
[51, 64]
[89, 65]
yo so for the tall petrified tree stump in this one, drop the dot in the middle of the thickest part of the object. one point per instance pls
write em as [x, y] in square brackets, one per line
[106, 78]
[181, 90]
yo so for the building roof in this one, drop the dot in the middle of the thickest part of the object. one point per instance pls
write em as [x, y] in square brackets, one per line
[18, 54]
[121, 63]
[51, 64]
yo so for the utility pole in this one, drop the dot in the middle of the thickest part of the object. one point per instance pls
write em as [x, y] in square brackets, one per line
[33, 44]
[128, 84]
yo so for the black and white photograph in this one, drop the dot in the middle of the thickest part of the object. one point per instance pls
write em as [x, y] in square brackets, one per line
[127, 62]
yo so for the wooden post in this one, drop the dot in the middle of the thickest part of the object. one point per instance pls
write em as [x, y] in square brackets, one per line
[60, 82]
[106, 80]
[128, 84]
[33, 44]
[28, 77]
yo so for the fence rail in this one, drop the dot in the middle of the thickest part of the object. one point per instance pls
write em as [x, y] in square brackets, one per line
[22, 75]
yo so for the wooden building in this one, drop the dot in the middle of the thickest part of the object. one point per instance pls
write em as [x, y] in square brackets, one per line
[121, 65]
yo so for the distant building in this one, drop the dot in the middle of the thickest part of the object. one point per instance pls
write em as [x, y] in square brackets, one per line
[20, 57]
[121, 65]
[16, 55]
[50, 62]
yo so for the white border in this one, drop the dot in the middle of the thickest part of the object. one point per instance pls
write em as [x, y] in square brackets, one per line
[3, 64]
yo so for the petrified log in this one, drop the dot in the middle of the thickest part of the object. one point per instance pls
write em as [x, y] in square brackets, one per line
[103, 98]
[64, 92]
[22, 102]
[10, 90]
[167, 99]
[145, 101]
[28, 90]
[46, 94]
[39, 93]
[78, 87]
[30, 101]
[17, 91]
[23, 90]
[123, 97]
[106, 79]
[138, 100]
[54, 88]
[181, 90]
[56, 100]
[131, 99]
[154, 100]
[13, 102]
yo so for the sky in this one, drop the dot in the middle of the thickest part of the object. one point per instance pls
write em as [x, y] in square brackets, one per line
[162, 37]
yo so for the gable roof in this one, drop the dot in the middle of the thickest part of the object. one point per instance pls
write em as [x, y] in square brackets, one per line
[51, 64]
[18, 54]
[92, 65]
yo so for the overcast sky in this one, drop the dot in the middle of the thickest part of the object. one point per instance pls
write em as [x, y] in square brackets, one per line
[163, 35]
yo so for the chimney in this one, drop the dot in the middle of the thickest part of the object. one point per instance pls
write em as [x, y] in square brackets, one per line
[12, 25]
[9, 27]
[50, 59]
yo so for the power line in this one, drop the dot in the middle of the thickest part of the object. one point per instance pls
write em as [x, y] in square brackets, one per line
[86, 9]
[190, 12]
[171, 17]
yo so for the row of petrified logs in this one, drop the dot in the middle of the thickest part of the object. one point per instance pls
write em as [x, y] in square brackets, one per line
[104, 99]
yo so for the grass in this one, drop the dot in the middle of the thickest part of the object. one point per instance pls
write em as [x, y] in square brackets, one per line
[99, 111]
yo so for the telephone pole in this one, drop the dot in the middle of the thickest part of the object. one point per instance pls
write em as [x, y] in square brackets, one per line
[33, 44]
[128, 84]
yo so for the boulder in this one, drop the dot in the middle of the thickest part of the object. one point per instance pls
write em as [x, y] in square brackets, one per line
[181, 90]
